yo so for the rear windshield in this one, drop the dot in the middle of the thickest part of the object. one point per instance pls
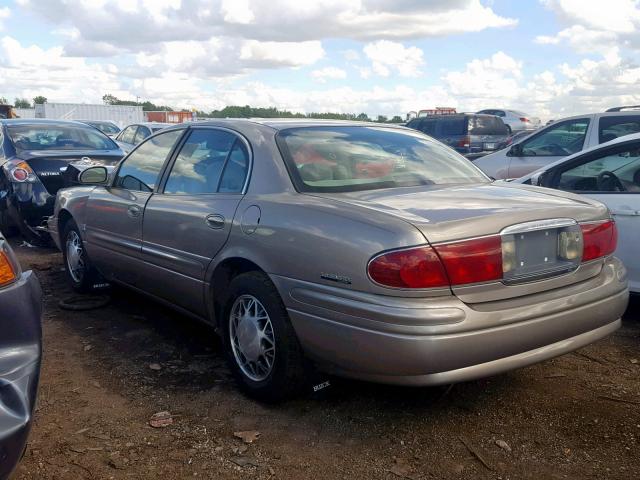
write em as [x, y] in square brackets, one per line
[486, 125]
[105, 127]
[58, 137]
[346, 159]
[453, 126]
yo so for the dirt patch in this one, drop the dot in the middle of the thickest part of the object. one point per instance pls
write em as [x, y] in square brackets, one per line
[107, 372]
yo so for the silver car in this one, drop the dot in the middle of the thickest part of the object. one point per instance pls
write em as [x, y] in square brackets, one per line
[514, 120]
[132, 135]
[371, 250]
[558, 140]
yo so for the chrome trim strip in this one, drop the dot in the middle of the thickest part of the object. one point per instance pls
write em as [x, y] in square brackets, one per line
[538, 225]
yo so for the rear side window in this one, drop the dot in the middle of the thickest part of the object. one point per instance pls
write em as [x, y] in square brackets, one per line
[141, 134]
[140, 170]
[560, 139]
[347, 159]
[127, 135]
[209, 161]
[487, 125]
[611, 128]
[453, 126]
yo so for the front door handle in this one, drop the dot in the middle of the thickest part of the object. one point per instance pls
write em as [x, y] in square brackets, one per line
[134, 211]
[215, 221]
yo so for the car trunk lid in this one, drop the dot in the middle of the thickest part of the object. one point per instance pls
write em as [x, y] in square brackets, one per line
[52, 166]
[449, 214]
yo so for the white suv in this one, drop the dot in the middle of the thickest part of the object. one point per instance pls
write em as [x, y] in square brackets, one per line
[557, 140]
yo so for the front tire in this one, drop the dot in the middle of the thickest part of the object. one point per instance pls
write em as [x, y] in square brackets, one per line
[81, 275]
[262, 349]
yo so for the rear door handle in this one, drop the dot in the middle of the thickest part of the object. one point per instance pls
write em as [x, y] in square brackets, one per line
[215, 221]
[134, 211]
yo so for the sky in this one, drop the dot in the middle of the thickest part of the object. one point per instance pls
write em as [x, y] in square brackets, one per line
[548, 58]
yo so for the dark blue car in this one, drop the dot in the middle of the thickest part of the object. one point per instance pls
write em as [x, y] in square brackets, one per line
[470, 134]
[37, 158]
[20, 355]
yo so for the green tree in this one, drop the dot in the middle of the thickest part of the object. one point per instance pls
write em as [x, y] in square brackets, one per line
[363, 117]
[109, 99]
[382, 119]
[396, 119]
[3, 101]
[39, 99]
[22, 103]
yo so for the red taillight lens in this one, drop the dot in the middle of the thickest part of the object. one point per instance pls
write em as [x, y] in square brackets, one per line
[417, 267]
[524, 119]
[464, 142]
[599, 239]
[472, 261]
[20, 171]
[20, 175]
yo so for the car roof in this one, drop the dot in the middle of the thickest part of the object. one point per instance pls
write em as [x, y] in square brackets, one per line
[283, 123]
[40, 121]
[153, 124]
[622, 139]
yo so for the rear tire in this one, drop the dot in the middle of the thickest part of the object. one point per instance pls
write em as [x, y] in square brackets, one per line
[82, 276]
[262, 349]
[508, 129]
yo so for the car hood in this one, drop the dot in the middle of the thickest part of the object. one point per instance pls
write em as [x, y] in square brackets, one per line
[454, 212]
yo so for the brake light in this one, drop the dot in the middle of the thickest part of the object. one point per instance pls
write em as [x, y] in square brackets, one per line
[20, 172]
[417, 267]
[464, 142]
[524, 119]
[599, 239]
[7, 272]
[472, 261]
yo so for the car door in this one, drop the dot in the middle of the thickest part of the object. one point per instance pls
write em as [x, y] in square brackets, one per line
[549, 145]
[611, 176]
[115, 212]
[187, 224]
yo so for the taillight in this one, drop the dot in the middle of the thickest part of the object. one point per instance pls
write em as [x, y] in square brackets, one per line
[417, 267]
[464, 142]
[599, 239]
[7, 272]
[20, 172]
[472, 261]
[524, 119]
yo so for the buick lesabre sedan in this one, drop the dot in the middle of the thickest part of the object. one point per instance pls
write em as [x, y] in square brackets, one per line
[370, 250]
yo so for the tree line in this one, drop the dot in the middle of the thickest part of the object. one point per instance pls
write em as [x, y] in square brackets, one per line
[247, 111]
[24, 102]
[233, 111]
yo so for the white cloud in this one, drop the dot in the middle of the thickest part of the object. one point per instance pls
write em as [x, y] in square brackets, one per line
[328, 73]
[387, 57]
[139, 25]
[4, 14]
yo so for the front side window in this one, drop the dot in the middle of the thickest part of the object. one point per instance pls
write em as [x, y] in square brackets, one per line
[561, 139]
[58, 137]
[200, 163]
[346, 159]
[617, 170]
[141, 169]
[610, 128]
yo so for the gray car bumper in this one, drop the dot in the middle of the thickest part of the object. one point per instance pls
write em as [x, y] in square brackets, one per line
[20, 356]
[443, 340]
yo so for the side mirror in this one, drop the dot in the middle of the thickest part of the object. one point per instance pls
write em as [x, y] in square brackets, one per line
[93, 176]
[515, 150]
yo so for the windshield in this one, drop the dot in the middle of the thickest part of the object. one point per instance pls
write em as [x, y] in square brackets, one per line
[345, 159]
[58, 137]
[105, 127]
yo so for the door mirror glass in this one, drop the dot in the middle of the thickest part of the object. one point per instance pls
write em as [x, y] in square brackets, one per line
[94, 176]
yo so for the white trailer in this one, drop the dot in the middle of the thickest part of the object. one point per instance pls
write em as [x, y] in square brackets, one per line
[120, 114]
[25, 112]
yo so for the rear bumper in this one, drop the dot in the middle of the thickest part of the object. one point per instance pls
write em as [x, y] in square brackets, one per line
[443, 340]
[20, 358]
[29, 213]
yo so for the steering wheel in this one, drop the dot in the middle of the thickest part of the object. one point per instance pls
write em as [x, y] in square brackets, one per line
[556, 149]
[608, 182]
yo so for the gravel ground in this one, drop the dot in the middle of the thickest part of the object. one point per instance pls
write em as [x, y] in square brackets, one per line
[107, 371]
